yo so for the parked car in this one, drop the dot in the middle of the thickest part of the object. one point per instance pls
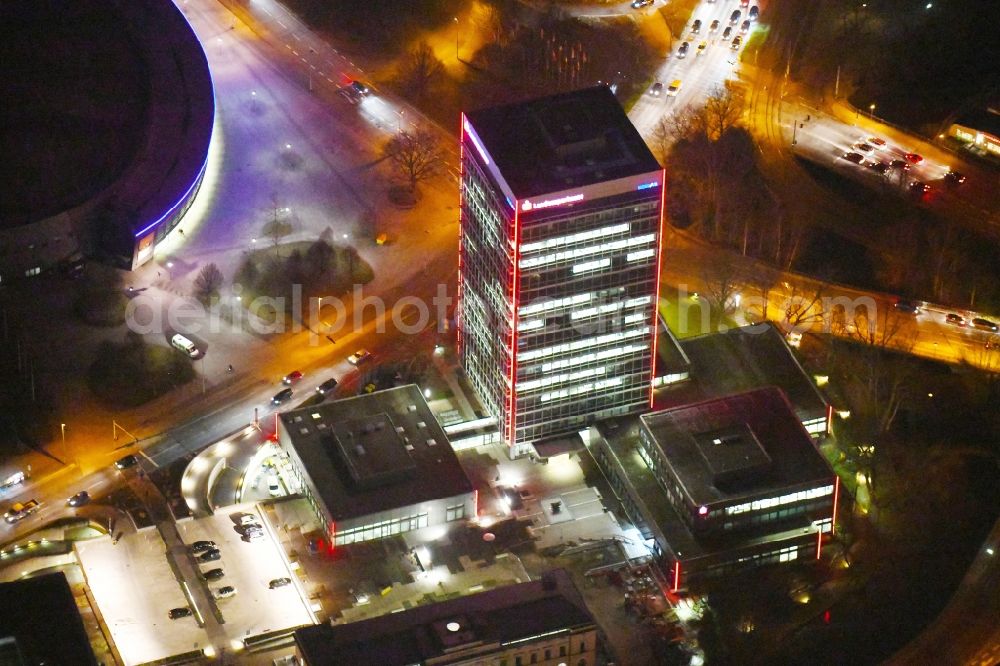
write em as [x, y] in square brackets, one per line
[359, 357]
[880, 168]
[126, 462]
[863, 147]
[985, 324]
[225, 592]
[185, 345]
[210, 555]
[754, 13]
[282, 396]
[248, 519]
[734, 18]
[745, 26]
[273, 486]
[955, 319]
[292, 377]
[81, 498]
[201, 546]
[696, 26]
[279, 582]
[914, 158]
[176, 613]
[639, 4]
[919, 188]
[213, 574]
[327, 386]
[877, 142]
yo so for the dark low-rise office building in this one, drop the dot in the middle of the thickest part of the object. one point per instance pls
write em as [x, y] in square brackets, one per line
[539, 622]
[720, 485]
[40, 624]
[376, 465]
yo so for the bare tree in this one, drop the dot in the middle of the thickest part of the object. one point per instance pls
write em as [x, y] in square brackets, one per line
[804, 306]
[415, 155]
[498, 20]
[760, 284]
[722, 280]
[420, 72]
[208, 283]
[276, 230]
[723, 110]
[883, 378]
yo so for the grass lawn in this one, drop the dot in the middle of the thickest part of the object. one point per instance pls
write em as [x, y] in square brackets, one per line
[132, 373]
[688, 317]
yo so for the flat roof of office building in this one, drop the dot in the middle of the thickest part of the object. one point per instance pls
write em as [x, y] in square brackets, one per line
[562, 141]
[375, 452]
[739, 360]
[746, 445]
[427, 632]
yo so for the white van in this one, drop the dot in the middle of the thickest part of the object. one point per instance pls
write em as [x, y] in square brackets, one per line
[185, 345]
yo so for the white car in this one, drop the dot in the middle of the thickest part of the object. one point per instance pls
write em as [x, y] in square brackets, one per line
[273, 486]
[359, 357]
[248, 519]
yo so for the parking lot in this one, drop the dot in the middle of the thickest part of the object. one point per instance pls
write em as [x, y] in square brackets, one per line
[249, 567]
[135, 588]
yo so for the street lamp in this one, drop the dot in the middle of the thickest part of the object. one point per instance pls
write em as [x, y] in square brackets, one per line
[871, 111]
[62, 427]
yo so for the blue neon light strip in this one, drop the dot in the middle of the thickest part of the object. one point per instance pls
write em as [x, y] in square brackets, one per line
[201, 171]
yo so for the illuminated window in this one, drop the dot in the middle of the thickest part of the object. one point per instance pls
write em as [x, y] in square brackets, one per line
[591, 266]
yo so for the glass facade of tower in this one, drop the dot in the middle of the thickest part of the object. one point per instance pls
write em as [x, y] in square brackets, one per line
[568, 281]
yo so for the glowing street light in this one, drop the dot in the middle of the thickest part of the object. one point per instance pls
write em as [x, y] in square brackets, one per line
[871, 111]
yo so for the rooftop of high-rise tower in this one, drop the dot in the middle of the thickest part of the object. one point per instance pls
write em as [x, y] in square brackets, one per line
[562, 141]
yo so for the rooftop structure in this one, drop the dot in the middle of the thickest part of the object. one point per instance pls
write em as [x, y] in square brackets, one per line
[546, 616]
[728, 448]
[569, 140]
[364, 456]
[721, 484]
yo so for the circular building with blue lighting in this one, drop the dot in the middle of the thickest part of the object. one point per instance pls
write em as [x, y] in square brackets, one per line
[107, 137]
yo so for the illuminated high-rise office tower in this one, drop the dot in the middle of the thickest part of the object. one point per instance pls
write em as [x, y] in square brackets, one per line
[561, 218]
